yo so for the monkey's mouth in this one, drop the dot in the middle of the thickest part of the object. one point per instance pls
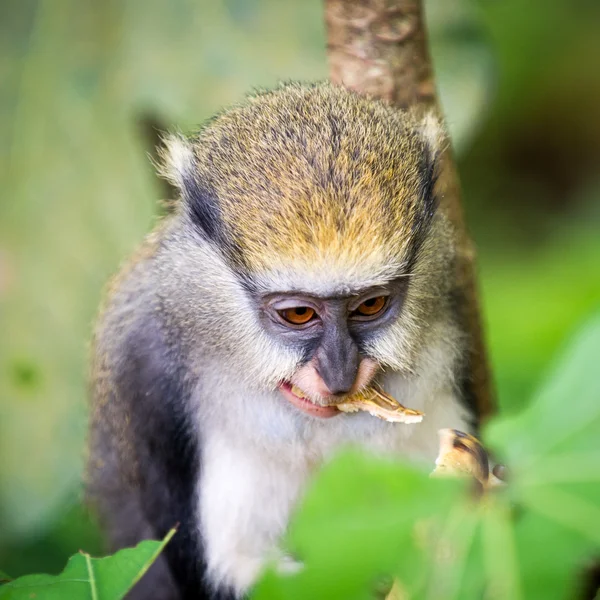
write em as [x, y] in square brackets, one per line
[296, 396]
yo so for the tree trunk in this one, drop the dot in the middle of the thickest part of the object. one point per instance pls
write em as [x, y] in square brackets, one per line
[379, 48]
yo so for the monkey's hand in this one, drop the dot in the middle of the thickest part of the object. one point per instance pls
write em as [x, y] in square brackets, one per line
[463, 455]
[381, 405]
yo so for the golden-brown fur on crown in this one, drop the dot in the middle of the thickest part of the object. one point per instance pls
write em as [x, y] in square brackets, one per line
[313, 173]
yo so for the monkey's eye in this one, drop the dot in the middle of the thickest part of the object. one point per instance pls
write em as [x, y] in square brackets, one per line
[298, 315]
[371, 308]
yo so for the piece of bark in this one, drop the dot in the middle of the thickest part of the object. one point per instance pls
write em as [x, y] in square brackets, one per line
[379, 48]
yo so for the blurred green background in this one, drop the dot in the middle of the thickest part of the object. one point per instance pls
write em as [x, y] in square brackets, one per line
[85, 85]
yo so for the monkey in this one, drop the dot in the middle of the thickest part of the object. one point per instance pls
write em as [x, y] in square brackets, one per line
[307, 256]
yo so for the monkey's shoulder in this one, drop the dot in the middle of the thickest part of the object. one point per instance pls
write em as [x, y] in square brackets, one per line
[138, 368]
[130, 305]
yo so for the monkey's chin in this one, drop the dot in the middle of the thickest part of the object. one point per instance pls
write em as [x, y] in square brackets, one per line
[305, 405]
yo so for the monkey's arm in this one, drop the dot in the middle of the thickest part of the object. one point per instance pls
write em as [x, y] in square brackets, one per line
[144, 471]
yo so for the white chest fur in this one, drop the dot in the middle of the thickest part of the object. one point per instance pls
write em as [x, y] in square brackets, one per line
[256, 466]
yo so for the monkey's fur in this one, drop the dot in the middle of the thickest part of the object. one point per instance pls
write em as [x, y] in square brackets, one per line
[305, 191]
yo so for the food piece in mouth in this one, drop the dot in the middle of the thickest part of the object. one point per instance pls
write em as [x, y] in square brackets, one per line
[376, 402]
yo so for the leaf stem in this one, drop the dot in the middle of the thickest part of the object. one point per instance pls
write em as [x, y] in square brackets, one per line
[90, 569]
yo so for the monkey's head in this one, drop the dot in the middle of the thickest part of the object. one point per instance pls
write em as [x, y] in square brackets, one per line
[309, 245]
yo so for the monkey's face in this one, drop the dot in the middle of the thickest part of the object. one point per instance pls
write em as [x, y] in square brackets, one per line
[332, 335]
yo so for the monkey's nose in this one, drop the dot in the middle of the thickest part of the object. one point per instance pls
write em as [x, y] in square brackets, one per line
[337, 360]
[338, 376]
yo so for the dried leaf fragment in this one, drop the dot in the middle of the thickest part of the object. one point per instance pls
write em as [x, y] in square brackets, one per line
[381, 405]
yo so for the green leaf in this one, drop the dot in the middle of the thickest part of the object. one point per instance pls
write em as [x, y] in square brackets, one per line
[361, 519]
[533, 539]
[563, 421]
[552, 452]
[84, 577]
[4, 577]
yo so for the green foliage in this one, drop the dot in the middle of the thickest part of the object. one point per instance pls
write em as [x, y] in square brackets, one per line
[464, 66]
[552, 447]
[355, 524]
[48, 551]
[530, 540]
[90, 578]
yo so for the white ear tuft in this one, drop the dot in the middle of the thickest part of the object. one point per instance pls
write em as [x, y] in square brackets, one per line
[177, 160]
[433, 133]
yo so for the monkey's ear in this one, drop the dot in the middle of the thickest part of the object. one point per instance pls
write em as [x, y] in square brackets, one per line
[178, 166]
[434, 135]
[176, 161]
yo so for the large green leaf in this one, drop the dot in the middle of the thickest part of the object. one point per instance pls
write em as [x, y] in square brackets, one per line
[361, 516]
[554, 457]
[534, 537]
[90, 578]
